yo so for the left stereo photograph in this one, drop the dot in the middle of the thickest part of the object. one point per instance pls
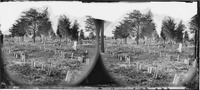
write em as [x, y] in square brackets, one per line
[46, 44]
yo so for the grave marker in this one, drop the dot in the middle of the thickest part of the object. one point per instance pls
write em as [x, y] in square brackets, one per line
[113, 53]
[120, 58]
[140, 66]
[9, 51]
[156, 72]
[75, 45]
[16, 55]
[68, 76]
[137, 66]
[149, 70]
[87, 61]
[176, 79]
[23, 57]
[178, 58]
[186, 61]
[49, 71]
[80, 59]
[128, 60]
[32, 64]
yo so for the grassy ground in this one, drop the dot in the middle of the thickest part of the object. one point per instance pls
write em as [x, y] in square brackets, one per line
[56, 67]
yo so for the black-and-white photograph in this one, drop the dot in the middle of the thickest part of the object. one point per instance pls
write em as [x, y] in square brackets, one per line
[60, 44]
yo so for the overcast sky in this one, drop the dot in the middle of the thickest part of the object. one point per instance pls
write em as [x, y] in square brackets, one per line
[10, 11]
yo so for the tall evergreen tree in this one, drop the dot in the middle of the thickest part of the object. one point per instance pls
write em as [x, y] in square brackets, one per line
[19, 28]
[82, 36]
[179, 32]
[33, 16]
[168, 28]
[59, 33]
[74, 31]
[90, 24]
[64, 27]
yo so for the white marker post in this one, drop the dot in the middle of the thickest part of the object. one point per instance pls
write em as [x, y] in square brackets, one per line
[87, 61]
[75, 45]
[23, 57]
[128, 60]
[137, 67]
[180, 47]
[149, 70]
[16, 56]
[178, 58]
[68, 76]
[120, 58]
[176, 79]
[156, 72]
[140, 66]
[32, 63]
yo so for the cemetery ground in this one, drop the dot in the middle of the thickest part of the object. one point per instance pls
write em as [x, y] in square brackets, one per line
[140, 66]
[45, 66]
[129, 64]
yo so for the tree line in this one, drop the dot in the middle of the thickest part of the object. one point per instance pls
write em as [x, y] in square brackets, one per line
[33, 23]
[137, 25]
[142, 26]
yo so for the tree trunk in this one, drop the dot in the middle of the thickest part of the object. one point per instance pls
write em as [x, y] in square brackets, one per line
[102, 38]
[34, 33]
[137, 39]
[138, 35]
[137, 42]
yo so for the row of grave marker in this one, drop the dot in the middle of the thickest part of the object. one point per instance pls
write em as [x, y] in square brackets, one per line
[150, 69]
[167, 56]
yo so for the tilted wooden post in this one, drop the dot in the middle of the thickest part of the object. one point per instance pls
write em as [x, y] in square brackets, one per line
[23, 57]
[149, 70]
[137, 66]
[176, 79]
[156, 72]
[128, 60]
[68, 76]
[178, 58]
